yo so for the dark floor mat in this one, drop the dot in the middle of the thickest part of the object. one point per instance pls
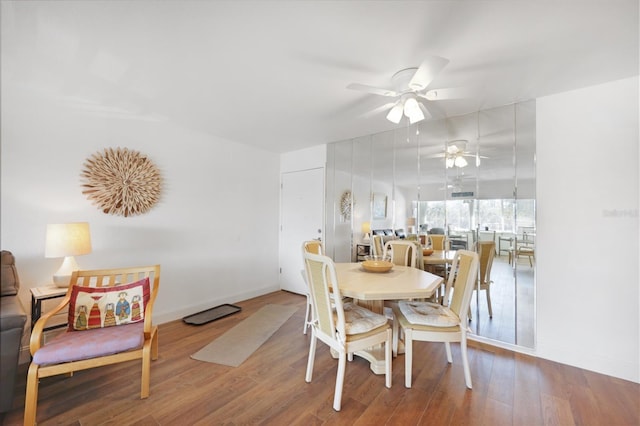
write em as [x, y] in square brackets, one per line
[211, 314]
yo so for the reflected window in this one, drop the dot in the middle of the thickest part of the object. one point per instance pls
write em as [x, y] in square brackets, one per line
[457, 215]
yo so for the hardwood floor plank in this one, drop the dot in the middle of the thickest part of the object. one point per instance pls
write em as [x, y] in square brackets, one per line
[470, 409]
[618, 400]
[556, 411]
[584, 407]
[411, 408]
[380, 409]
[269, 388]
[497, 413]
[440, 409]
[527, 407]
[501, 385]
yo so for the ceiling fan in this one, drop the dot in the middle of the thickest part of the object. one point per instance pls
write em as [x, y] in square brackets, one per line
[455, 152]
[409, 85]
[458, 183]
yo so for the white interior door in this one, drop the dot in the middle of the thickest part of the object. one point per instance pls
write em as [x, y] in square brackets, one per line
[302, 218]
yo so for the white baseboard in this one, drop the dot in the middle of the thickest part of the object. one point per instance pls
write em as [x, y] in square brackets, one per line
[163, 317]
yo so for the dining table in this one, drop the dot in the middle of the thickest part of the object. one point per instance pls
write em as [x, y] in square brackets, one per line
[439, 257]
[439, 260]
[371, 289]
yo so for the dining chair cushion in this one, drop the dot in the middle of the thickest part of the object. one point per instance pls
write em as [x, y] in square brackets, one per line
[96, 307]
[428, 313]
[360, 320]
[71, 346]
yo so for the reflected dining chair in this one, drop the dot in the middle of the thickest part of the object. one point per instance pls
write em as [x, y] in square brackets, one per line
[95, 337]
[403, 253]
[344, 327]
[377, 248]
[438, 242]
[486, 252]
[312, 246]
[432, 322]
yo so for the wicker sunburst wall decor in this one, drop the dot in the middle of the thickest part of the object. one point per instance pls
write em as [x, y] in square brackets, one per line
[121, 181]
[345, 205]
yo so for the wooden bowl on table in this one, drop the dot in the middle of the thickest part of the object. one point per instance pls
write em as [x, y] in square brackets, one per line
[377, 264]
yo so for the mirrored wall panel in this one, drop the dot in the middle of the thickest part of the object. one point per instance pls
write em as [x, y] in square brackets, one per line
[471, 178]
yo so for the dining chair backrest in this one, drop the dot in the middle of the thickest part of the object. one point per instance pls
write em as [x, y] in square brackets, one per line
[438, 242]
[376, 245]
[402, 253]
[486, 252]
[313, 246]
[322, 286]
[462, 279]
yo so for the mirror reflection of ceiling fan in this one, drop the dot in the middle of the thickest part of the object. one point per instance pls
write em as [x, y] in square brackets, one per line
[457, 183]
[410, 87]
[455, 152]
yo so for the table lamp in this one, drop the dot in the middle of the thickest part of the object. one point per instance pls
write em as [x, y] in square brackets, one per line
[366, 229]
[67, 240]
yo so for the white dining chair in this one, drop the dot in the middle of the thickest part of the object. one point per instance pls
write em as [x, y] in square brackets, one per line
[344, 327]
[432, 322]
[311, 246]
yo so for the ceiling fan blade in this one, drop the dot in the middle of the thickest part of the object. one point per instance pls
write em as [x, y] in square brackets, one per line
[377, 110]
[440, 155]
[468, 154]
[433, 109]
[443, 94]
[427, 114]
[371, 89]
[427, 71]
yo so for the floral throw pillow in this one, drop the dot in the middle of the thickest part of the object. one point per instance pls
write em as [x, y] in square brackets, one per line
[97, 307]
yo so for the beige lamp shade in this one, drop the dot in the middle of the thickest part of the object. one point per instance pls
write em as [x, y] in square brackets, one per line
[67, 240]
[366, 229]
[411, 221]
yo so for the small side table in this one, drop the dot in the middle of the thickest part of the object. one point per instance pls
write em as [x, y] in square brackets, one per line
[362, 250]
[40, 294]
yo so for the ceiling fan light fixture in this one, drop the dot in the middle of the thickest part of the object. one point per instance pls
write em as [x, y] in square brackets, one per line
[460, 161]
[412, 110]
[416, 116]
[395, 113]
[450, 162]
[410, 105]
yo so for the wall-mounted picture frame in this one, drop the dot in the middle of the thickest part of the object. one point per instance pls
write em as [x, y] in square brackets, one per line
[379, 206]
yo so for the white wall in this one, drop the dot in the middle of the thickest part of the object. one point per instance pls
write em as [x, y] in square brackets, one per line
[587, 235]
[218, 212]
[304, 159]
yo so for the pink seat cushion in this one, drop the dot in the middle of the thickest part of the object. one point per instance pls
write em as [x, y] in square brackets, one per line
[77, 345]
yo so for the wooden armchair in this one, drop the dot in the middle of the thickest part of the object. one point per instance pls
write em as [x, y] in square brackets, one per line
[110, 321]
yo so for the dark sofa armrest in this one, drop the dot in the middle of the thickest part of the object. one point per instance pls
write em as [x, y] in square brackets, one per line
[13, 318]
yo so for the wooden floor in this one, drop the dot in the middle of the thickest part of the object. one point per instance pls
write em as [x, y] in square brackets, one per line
[269, 387]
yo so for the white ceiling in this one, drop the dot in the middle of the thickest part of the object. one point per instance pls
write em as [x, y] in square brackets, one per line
[272, 74]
